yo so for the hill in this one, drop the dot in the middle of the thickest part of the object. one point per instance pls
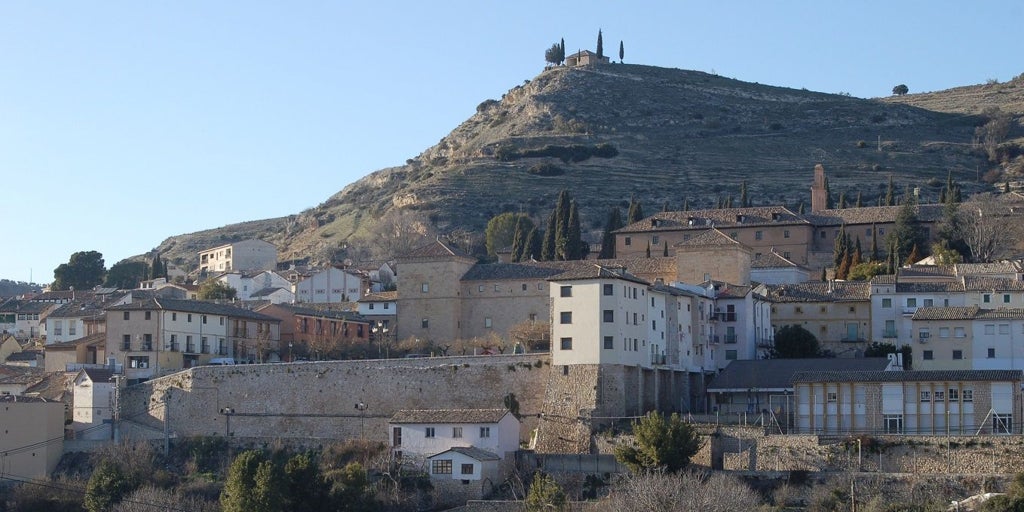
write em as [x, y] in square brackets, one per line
[610, 132]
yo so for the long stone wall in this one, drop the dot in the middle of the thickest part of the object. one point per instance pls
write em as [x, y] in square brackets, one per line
[318, 399]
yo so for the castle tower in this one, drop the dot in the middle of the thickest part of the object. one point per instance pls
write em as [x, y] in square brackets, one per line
[819, 195]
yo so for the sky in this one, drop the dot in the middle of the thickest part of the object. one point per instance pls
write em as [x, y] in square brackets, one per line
[124, 123]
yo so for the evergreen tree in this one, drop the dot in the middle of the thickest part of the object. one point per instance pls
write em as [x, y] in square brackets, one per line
[859, 203]
[518, 242]
[844, 267]
[874, 244]
[648, 248]
[608, 236]
[636, 211]
[238, 494]
[83, 270]
[157, 268]
[728, 201]
[686, 204]
[828, 195]
[547, 251]
[573, 238]
[304, 487]
[664, 252]
[600, 45]
[662, 443]
[743, 194]
[842, 200]
[839, 247]
[562, 210]
[561, 46]
[858, 256]
[268, 491]
[622, 51]
[545, 494]
[107, 486]
[664, 207]
[890, 193]
[907, 231]
[533, 246]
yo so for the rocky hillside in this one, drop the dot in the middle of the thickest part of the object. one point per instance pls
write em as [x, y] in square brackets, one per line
[612, 131]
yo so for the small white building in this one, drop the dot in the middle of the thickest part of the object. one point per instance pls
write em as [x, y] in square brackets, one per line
[93, 411]
[274, 295]
[420, 433]
[246, 284]
[464, 473]
[244, 255]
[329, 286]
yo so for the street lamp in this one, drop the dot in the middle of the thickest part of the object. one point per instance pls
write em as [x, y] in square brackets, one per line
[361, 407]
[227, 412]
[380, 333]
[291, 356]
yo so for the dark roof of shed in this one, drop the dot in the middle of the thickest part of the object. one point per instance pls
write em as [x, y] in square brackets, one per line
[778, 373]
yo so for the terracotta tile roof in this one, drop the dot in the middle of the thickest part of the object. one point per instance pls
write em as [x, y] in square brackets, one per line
[871, 215]
[92, 339]
[1002, 314]
[946, 313]
[708, 237]
[884, 279]
[772, 259]
[26, 307]
[725, 290]
[997, 267]
[595, 271]
[435, 249]
[976, 283]
[909, 376]
[441, 416]
[380, 297]
[193, 306]
[63, 295]
[940, 287]
[836, 291]
[721, 217]
[927, 270]
[470, 451]
[743, 375]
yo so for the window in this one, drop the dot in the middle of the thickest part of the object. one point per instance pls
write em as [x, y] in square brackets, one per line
[959, 332]
[424, 323]
[608, 315]
[655, 240]
[1004, 328]
[926, 396]
[485, 432]
[730, 355]
[126, 315]
[524, 287]
[149, 315]
[456, 432]
[893, 423]
[911, 302]
[565, 291]
[147, 342]
[424, 288]
[991, 353]
[608, 290]
[627, 241]
[832, 397]
[189, 318]
[758, 235]
[566, 343]
[428, 432]
[609, 342]
[371, 306]
[929, 303]
[990, 328]
[126, 342]
[204, 319]
[943, 332]
[958, 354]
[441, 467]
[954, 394]
[986, 298]
[785, 233]
[734, 235]
[787, 255]
[1002, 423]
[138, 362]
[487, 322]
[467, 469]
[1006, 298]
[968, 395]
[174, 317]
[887, 303]
[480, 288]
[497, 287]
[565, 317]
[928, 355]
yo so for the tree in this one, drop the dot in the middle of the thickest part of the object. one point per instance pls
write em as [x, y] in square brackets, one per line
[664, 251]
[533, 246]
[907, 232]
[828, 195]
[744, 200]
[154, 499]
[518, 242]
[239, 494]
[865, 271]
[212, 289]
[531, 334]
[545, 494]
[126, 274]
[600, 45]
[501, 230]
[107, 486]
[397, 233]
[561, 53]
[890, 193]
[83, 271]
[988, 229]
[547, 252]
[563, 209]
[622, 51]
[994, 131]
[681, 492]
[795, 342]
[648, 253]
[900, 90]
[573, 249]
[555, 54]
[608, 236]
[636, 211]
[944, 255]
[157, 268]
[662, 443]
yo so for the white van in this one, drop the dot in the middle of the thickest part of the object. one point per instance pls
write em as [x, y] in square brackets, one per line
[222, 361]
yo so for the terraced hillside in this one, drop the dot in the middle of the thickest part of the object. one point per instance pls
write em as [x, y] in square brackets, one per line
[609, 132]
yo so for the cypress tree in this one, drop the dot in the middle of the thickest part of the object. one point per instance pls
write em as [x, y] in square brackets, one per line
[636, 211]
[547, 252]
[743, 194]
[828, 195]
[562, 46]
[573, 239]
[532, 249]
[858, 257]
[600, 45]
[665, 251]
[890, 193]
[859, 203]
[664, 207]
[562, 210]
[874, 244]
[842, 200]
[622, 51]
[686, 204]
[839, 248]
[518, 241]
[914, 256]
[608, 237]
[728, 201]
[648, 249]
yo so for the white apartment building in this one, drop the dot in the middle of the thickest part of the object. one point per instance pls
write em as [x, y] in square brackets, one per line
[330, 286]
[248, 283]
[420, 433]
[244, 255]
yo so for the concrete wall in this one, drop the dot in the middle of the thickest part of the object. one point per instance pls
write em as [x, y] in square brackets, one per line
[317, 399]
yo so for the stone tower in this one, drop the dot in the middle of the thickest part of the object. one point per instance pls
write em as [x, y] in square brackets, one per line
[819, 195]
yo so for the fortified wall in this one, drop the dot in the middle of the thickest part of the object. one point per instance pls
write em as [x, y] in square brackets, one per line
[318, 400]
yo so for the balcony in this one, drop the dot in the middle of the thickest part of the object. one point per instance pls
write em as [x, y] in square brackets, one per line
[730, 338]
[146, 346]
[889, 334]
[174, 346]
[190, 348]
[206, 348]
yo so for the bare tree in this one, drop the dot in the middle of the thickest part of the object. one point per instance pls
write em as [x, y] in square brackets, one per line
[531, 334]
[989, 227]
[398, 232]
[153, 499]
[681, 491]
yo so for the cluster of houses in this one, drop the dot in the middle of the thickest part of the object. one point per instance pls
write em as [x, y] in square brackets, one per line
[706, 305]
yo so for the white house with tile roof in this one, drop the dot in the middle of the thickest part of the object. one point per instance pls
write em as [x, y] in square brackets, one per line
[92, 411]
[420, 433]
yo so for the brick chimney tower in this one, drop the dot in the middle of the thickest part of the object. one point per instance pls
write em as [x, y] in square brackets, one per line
[818, 192]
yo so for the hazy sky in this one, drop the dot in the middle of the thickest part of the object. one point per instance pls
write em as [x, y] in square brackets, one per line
[124, 123]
